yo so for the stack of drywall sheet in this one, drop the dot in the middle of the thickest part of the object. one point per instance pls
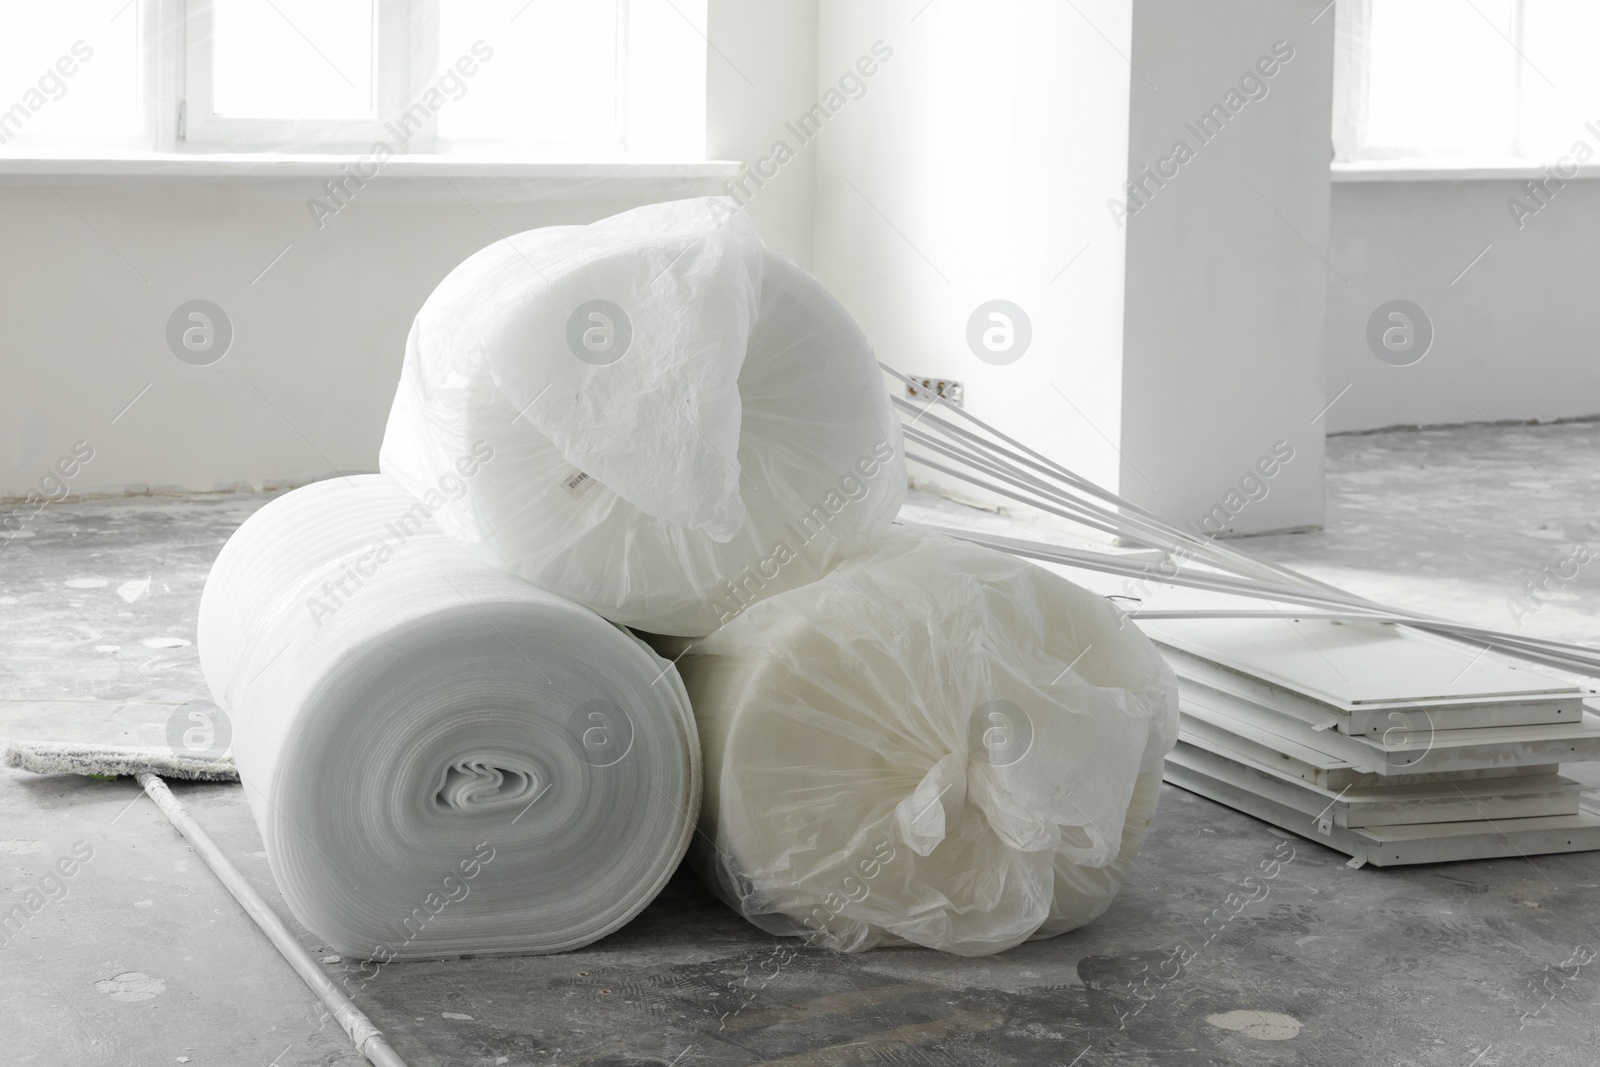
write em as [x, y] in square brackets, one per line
[1383, 742]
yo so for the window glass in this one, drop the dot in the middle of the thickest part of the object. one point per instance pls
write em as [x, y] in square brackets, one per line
[554, 80]
[1442, 77]
[1561, 82]
[295, 59]
[97, 41]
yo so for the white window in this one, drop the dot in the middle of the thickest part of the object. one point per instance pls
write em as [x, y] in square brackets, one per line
[1469, 80]
[556, 80]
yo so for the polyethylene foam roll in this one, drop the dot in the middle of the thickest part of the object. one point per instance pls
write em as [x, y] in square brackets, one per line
[683, 422]
[441, 758]
[935, 744]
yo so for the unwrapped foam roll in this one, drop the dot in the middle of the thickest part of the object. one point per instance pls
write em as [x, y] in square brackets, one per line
[442, 759]
[935, 744]
[729, 435]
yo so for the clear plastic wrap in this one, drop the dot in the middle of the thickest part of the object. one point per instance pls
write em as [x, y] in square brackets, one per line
[441, 758]
[934, 744]
[683, 422]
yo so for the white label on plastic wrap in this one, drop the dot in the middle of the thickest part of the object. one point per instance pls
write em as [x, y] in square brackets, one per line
[578, 483]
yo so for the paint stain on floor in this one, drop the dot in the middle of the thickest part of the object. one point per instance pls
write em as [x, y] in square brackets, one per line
[1260, 1025]
[164, 642]
[131, 985]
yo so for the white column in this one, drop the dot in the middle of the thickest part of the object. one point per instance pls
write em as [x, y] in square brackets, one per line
[973, 166]
[1227, 272]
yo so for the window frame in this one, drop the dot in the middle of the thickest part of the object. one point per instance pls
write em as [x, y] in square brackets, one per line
[401, 46]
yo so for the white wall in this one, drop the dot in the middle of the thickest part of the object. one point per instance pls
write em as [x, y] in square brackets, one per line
[86, 289]
[91, 270]
[1226, 277]
[976, 167]
[1516, 337]
[762, 71]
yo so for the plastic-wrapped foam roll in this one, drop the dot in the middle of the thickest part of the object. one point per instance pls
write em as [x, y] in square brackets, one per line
[683, 422]
[441, 758]
[934, 744]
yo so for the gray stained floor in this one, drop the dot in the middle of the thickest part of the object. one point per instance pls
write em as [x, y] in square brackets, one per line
[146, 960]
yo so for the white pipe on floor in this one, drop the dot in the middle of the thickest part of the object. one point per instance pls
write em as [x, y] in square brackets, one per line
[369, 1040]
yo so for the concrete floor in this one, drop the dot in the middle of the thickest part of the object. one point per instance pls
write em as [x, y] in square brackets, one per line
[146, 960]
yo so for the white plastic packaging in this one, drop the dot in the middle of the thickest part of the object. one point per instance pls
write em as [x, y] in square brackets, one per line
[441, 758]
[682, 421]
[935, 744]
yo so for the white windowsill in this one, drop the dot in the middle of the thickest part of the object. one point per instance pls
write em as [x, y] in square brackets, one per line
[1433, 170]
[325, 165]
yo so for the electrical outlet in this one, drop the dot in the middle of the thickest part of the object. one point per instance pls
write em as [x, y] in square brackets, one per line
[940, 387]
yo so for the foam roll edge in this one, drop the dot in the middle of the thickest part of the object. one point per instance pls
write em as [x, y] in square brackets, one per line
[441, 758]
[935, 744]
